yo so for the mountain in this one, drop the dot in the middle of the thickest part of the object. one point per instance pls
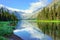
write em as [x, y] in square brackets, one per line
[37, 12]
[19, 14]
[53, 2]
[16, 13]
[50, 12]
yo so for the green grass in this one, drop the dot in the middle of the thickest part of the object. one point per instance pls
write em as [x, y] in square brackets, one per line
[46, 20]
[6, 28]
[3, 38]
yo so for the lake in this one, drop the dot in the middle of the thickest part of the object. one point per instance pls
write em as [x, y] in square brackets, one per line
[29, 30]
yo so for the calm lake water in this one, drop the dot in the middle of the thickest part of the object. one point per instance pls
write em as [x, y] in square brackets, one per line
[28, 30]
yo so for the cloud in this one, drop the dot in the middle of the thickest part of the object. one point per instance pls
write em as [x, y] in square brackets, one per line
[35, 5]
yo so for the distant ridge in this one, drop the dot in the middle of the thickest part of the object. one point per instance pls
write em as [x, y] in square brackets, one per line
[53, 2]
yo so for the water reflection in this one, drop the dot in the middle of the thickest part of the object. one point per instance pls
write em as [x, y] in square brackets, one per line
[28, 30]
[50, 28]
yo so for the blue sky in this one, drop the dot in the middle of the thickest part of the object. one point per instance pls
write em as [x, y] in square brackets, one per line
[19, 4]
[27, 5]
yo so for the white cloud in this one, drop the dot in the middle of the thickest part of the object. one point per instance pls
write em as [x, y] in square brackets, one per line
[33, 6]
[36, 5]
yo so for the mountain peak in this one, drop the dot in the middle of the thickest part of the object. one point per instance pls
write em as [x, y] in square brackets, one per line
[1, 5]
[9, 8]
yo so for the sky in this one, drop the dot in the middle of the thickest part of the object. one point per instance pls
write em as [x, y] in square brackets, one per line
[25, 5]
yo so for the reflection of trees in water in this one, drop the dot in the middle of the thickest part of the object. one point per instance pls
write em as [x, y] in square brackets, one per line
[52, 29]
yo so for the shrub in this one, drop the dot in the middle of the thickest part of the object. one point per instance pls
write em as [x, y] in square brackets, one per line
[6, 30]
[3, 38]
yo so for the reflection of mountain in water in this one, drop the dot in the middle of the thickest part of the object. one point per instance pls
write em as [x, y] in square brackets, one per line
[28, 31]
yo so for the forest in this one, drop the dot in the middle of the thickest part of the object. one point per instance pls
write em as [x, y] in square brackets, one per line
[51, 20]
[6, 16]
[50, 13]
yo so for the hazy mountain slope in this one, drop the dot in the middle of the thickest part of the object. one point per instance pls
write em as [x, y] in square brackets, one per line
[35, 14]
[48, 7]
[51, 12]
[16, 13]
[19, 14]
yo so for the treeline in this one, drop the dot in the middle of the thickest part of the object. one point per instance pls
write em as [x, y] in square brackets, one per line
[5, 15]
[50, 13]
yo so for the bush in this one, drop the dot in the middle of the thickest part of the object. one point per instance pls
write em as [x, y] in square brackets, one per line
[3, 38]
[6, 30]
